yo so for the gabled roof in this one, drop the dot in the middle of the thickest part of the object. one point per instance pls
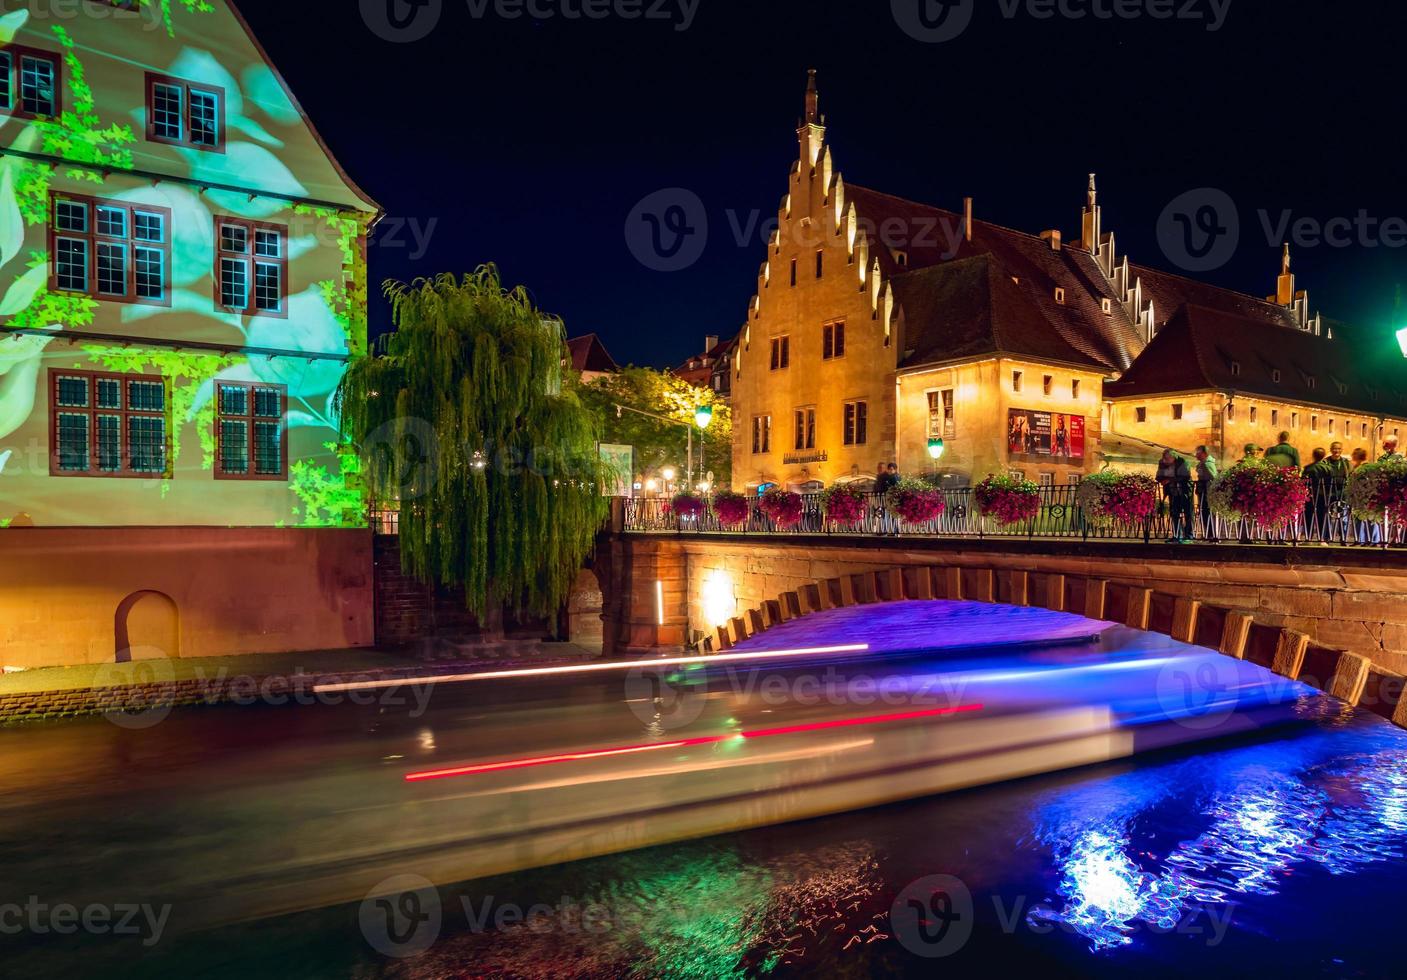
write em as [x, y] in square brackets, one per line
[972, 308]
[1203, 349]
[1081, 332]
[589, 354]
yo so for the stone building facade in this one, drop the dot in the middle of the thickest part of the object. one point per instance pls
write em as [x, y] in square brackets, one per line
[882, 325]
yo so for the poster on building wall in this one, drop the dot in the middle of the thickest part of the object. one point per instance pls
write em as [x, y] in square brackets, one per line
[1045, 437]
[619, 464]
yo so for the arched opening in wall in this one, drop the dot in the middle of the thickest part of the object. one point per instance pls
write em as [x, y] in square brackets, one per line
[147, 626]
[585, 606]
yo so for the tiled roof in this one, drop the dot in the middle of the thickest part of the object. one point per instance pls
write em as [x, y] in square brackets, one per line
[1077, 331]
[1203, 349]
[589, 354]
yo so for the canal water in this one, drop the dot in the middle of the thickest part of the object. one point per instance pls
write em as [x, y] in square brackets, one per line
[1278, 851]
[1238, 859]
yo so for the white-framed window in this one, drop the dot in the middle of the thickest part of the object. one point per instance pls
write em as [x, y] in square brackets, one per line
[761, 434]
[942, 414]
[251, 267]
[856, 423]
[781, 353]
[110, 250]
[805, 435]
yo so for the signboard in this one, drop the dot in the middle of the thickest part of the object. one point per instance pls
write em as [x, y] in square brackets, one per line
[1045, 437]
[619, 463]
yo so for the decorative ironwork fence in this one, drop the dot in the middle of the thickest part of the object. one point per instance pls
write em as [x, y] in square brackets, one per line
[1182, 514]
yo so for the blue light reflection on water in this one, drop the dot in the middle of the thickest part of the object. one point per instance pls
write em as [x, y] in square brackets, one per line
[1268, 811]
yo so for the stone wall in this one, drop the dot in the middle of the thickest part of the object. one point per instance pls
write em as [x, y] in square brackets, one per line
[1346, 599]
[71, 596]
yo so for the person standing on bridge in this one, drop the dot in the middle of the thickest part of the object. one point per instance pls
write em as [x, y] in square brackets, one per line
[1320, 477]
[1207, 472]
[1175, 477]
[1284, 455]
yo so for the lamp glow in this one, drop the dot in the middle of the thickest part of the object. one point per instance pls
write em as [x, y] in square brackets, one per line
[719, 603]
[669, 473]
[936, 449]
[703, 416]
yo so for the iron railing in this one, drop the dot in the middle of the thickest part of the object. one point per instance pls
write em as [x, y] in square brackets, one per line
[1183, 514]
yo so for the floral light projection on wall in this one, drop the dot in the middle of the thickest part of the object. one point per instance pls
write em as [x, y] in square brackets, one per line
[270, 168]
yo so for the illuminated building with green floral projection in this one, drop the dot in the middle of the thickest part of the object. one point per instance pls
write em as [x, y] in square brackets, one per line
[182, 281]
[182, 277]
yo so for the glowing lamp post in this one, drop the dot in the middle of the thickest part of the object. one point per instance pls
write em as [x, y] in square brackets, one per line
[703, 418]
[936, 449]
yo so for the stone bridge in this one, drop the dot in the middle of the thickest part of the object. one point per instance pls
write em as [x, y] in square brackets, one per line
[1332, 617]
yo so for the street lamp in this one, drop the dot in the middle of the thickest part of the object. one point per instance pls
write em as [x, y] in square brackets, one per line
[669, 473]
[936, 449]
[703, 418]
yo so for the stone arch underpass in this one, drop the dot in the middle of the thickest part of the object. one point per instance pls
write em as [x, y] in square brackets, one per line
[660, 596]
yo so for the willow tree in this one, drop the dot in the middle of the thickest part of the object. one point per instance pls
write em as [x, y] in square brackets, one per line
[463, 423]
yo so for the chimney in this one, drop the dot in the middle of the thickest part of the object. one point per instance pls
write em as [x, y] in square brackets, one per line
[967, 217]
[710, 342]
[1053, 238]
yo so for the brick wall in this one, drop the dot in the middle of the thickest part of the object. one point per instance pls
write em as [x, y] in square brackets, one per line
[408, 610]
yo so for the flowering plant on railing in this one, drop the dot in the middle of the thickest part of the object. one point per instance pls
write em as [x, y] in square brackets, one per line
[915, 502]
[1260, 491]
[845, 505]
[1008, 500]
[730, 508]
[1378, 491]
[783, 507]
[686, 506]
[1110, 497]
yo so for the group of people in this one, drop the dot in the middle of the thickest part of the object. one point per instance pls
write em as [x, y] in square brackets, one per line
[1327, 474]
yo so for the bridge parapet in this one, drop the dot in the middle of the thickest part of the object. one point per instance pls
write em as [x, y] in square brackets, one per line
[1334, 618]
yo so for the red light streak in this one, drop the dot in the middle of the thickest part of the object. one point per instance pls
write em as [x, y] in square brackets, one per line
[815, 726]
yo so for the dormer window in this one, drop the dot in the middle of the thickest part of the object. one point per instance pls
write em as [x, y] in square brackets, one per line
[1060, 295]
[901, 258]
[1235, 369]
[1275, 376]
[1312, 381]
[1107, 305]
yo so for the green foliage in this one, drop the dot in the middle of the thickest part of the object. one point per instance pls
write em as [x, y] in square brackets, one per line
[78, 134]
[192, 6]
[464, 422]
[659, 444]
[328, 500]
[48, 309]
[347, 297]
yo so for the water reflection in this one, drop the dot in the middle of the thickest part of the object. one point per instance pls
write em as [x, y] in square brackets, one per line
[1266, 811]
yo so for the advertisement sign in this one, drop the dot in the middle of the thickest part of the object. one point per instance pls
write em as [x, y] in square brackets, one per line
[1045, 437]
[620, 470]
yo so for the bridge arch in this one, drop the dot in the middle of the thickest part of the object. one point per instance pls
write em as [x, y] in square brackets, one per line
[1235, 633]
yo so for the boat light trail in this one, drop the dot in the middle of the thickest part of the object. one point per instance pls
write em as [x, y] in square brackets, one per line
[714, 658]
[815, 726]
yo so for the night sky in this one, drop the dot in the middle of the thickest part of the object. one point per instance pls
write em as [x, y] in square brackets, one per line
[529, 141]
